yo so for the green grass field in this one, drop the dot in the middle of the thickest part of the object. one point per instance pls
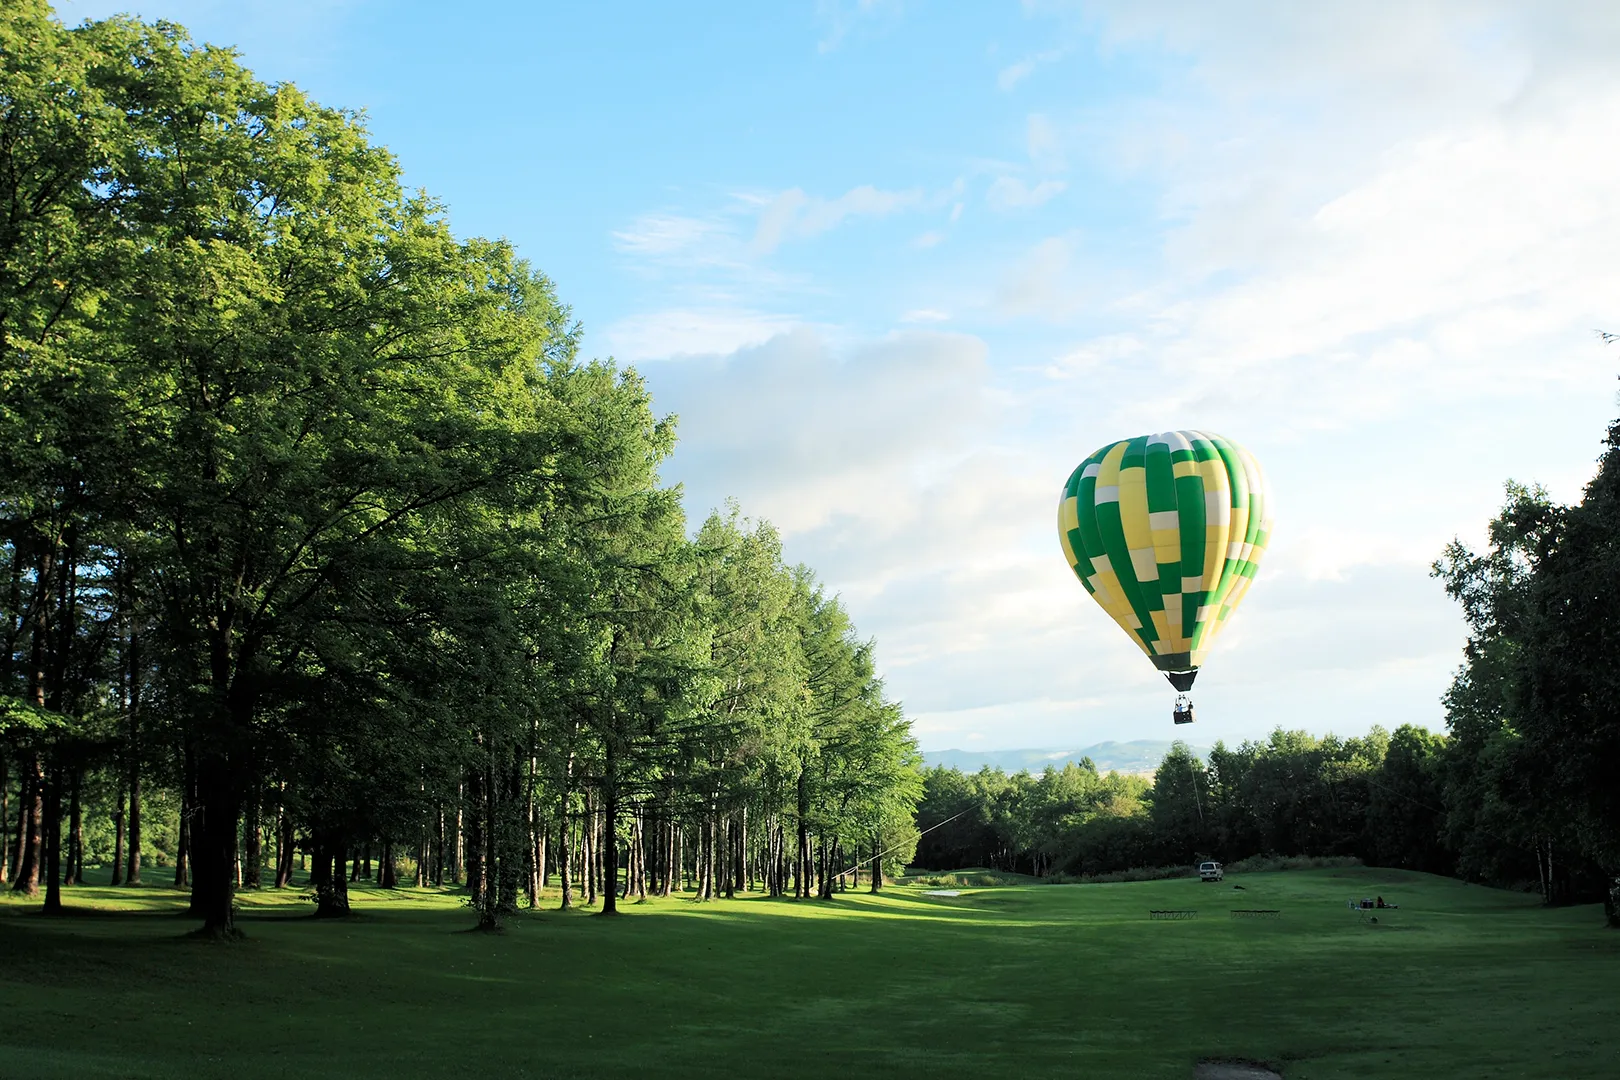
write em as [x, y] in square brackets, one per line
[1054, 980]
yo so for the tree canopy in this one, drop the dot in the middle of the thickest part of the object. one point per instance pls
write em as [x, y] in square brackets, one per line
[316, 521]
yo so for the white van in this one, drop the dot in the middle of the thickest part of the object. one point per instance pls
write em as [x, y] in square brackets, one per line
[1210, 871]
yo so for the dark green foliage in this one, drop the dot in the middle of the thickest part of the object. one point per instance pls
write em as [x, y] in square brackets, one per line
[1571, 720]
[1293, 794]
[319, 536]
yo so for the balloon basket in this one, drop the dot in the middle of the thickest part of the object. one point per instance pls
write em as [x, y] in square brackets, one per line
[1183, 713]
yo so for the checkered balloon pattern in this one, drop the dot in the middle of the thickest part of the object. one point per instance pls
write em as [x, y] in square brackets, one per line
[1165, 531]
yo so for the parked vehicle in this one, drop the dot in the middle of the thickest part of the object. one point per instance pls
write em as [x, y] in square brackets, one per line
[1210, 871]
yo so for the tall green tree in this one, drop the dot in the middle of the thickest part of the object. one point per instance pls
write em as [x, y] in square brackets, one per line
[1571, 720]
[1499, 820]
[1181, 805]
[306, 364]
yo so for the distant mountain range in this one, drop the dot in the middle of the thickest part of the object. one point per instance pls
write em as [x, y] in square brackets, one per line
[1139, 756]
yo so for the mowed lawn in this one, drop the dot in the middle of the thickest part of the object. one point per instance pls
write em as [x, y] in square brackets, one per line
[1043, 980]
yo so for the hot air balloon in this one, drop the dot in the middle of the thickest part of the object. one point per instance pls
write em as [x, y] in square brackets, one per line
[1165, 532]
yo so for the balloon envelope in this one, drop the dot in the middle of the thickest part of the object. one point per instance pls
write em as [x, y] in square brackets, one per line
[1165, 531]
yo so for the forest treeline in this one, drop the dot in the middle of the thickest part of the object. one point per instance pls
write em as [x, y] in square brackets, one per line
[1523, 789]
[320, 542]
[1378, 797]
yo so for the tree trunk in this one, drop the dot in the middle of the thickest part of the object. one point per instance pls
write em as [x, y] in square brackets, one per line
[328, 876]
[484, 812]
[30, 827]
[53, 839]
[677, 857]
[133, 876]
[610, 832]
[801, 868]
[782, 871]
[285, 843]
[8, 652]
[457, 851]
[213, 847]
[40, 817]
[877, 861]
[423, 855]
[588, 849]
[118, 838]
[565, 858]
[508, 834]
[728, 859]
[534, 845]
[72, 863]
[473, 823]
[252, 843]
[541, 865]
[182, 843]
[641, 856]
[320, 875]
[438, 850]
[705, 856]
[672, 857]
[5, 805]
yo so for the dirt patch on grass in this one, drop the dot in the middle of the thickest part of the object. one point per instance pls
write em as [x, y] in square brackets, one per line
[1234, 1070]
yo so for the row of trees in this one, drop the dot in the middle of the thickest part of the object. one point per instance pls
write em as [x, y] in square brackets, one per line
[314, 524]
[1294, 793]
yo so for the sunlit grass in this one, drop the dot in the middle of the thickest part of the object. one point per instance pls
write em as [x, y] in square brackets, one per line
[1036, 980]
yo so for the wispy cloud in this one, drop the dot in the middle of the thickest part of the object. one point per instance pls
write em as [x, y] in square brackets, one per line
[795, 215]
[1039, 283]
[1013, 74]
[1043, 142]
[666, 235]
[693, 331]
[1011, 193]
[840, 18]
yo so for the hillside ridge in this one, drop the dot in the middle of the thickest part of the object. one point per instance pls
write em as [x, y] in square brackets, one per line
[1136, 756]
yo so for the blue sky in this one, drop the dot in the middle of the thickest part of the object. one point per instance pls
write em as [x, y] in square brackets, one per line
[898, 266]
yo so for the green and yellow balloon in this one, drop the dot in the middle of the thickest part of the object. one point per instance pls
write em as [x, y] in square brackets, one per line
[1165, 532]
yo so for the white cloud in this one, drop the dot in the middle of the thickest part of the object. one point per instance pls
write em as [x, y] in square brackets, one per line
[1095, 354]
[1044, 144]
[1015, 73]
[805, 435]
[1443, 55]
[658, 335]
[1039, 284]
[1011, 193]
[665, 235]
[795, 215]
